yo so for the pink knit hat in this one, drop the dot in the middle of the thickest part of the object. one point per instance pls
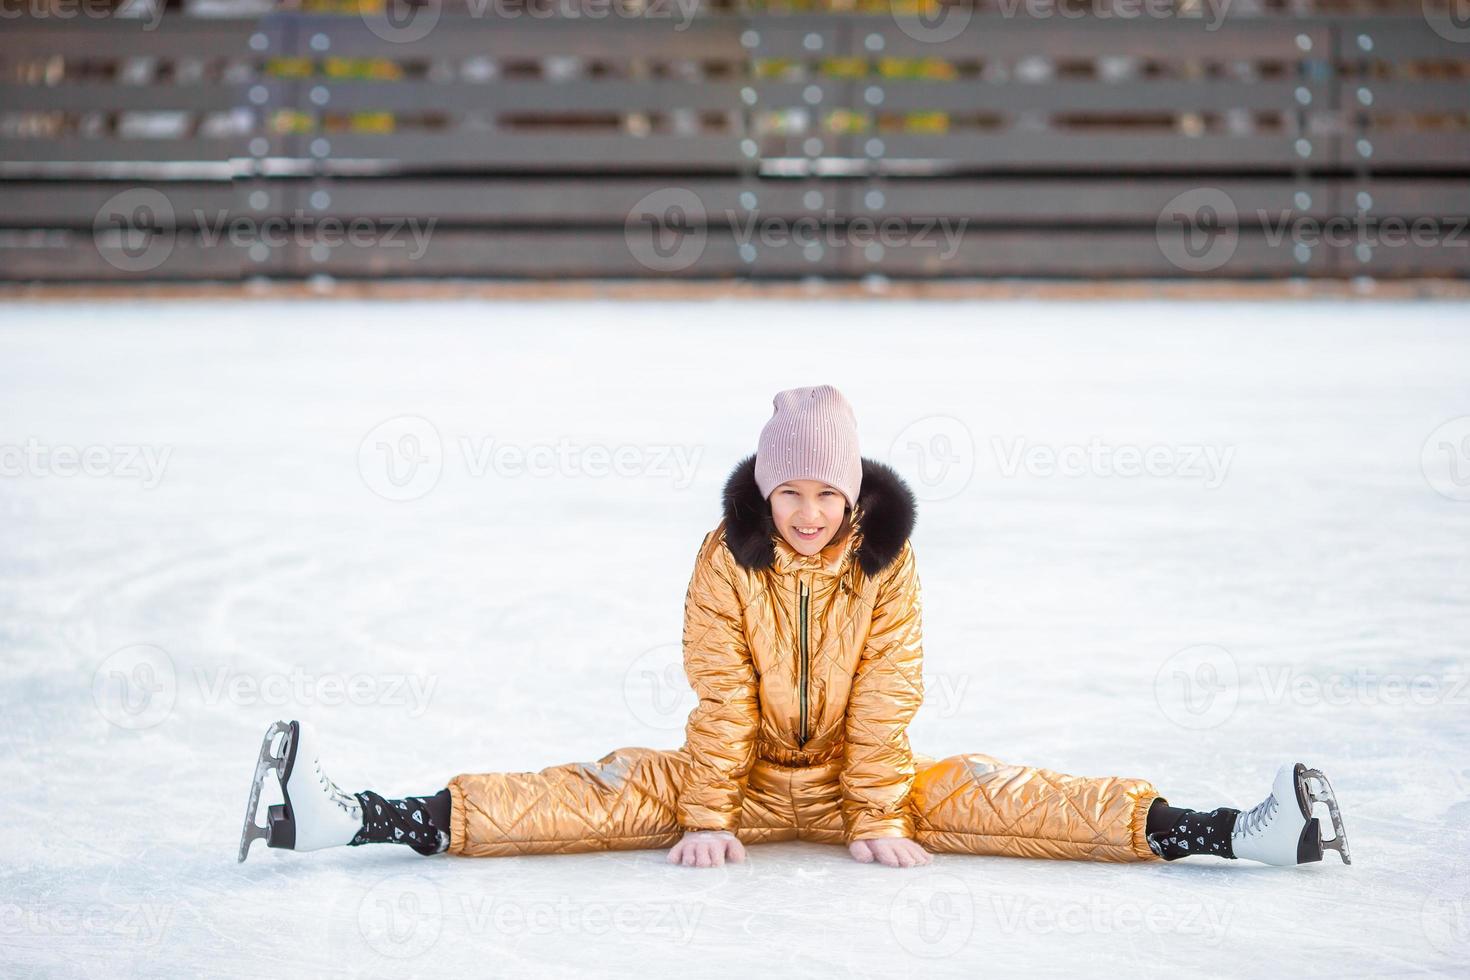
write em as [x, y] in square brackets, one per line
[812, 435]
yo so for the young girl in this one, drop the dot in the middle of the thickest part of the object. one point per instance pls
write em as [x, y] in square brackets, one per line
[803, 641]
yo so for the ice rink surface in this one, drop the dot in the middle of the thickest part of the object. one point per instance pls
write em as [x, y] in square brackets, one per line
[1180, 541]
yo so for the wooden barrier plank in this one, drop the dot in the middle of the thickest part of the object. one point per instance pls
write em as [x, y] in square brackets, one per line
[1382, 95]
[169, 36]
[1131, 97]
[552, 151]
[994, 35]
[110, 97]
[1396, 38]
[77, 204]
[506, 95]
[1103, 253]
[1079, 149]
[1408, 149]
[112, 149]
[81, 256]
[665, 33]
[1407, 198]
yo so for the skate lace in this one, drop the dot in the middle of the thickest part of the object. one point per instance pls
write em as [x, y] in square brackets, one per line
[335, 793]
[1254, 820]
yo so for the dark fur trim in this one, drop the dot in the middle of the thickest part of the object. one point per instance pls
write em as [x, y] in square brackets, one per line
[887, 505]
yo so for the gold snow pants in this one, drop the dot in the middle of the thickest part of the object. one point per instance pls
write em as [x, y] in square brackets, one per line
[963, 804]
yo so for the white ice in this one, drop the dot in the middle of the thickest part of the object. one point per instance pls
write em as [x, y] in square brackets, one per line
[1291, 582]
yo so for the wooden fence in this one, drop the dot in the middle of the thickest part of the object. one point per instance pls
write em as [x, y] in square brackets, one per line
[978, 144]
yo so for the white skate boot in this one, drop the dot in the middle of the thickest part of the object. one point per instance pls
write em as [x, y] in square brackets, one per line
[1281, 829]
[315, 813]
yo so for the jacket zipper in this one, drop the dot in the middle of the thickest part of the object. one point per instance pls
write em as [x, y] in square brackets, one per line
[805, 603]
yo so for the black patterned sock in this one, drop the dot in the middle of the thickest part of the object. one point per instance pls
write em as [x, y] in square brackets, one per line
[1174, 833]
[421, 822]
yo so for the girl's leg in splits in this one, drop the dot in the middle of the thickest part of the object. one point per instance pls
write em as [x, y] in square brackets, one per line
[974, 804]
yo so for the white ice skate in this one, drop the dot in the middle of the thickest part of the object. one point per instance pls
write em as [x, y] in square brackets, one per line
[315, 813]
[1281, 829]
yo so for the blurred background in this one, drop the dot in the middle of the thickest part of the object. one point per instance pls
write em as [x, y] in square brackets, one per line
[718, 139]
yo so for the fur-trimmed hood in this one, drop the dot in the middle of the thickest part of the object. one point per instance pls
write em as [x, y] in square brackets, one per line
[885, 513]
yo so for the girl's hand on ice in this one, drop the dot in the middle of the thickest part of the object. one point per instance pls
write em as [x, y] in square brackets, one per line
[706, 848]
[896, 852]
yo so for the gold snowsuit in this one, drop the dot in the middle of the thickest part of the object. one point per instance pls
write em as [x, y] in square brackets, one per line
[808, 672]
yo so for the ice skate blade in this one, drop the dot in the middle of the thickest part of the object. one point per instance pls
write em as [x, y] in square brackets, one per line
[1326, 795]
[263, 764]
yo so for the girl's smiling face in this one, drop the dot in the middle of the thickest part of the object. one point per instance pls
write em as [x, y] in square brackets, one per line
[808, 513]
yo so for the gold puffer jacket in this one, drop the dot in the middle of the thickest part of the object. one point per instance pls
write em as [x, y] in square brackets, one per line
[801, 660]
[808, 671]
